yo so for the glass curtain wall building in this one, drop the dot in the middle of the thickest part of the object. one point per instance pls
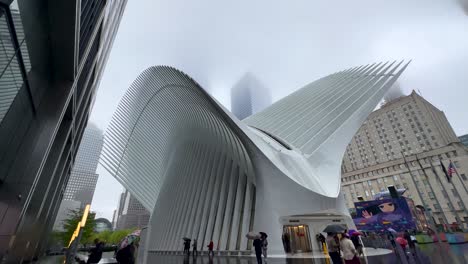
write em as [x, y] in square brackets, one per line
[83, 179]
[52, 57]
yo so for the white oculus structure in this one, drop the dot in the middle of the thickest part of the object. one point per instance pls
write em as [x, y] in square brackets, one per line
[204, 174]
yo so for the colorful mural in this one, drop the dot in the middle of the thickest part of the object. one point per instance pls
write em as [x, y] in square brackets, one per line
[380, 215]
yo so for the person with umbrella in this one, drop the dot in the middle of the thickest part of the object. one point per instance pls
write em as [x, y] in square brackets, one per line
[126, 254]
[258, 245]
[186, 245]
[333, 248]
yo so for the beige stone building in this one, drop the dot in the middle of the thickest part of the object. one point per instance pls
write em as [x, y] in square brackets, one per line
[402, 144]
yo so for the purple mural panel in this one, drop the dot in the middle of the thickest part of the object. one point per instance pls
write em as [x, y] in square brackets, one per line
[380, 215]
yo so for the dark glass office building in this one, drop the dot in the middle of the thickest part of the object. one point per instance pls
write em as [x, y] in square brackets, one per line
[52, 56]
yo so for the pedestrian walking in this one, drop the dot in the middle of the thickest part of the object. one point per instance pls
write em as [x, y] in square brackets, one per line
[410, 241]
[258, 244]
[355, 238]
[194, 247]
[349, 251]
[210, 248]
[264, 246]
[321, 240]
[286, 242]
[96, 252]
[333, 248]
[391, 238]
[187, 246]
[373, 239]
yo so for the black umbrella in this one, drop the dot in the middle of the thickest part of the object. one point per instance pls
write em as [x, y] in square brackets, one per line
[334, 229]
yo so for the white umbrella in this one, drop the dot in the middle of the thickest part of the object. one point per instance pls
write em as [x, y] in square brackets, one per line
[253, 235]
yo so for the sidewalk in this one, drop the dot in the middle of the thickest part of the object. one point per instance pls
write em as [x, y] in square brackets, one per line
[319, 254]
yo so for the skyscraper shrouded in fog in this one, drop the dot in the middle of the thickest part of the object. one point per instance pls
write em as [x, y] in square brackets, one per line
[83, 177]
[53, 55]
[249, 96]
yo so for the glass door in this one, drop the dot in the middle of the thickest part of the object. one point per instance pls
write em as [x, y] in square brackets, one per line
[299, 238]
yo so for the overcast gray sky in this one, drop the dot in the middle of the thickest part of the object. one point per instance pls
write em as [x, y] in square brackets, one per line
[287, 44]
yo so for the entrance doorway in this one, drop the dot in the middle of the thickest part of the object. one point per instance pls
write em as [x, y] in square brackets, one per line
[299, 237]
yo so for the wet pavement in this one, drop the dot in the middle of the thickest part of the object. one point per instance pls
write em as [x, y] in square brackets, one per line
[442, 253]
[439, 253]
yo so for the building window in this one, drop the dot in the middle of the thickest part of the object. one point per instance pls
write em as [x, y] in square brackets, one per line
[367, 193]
[369, 183]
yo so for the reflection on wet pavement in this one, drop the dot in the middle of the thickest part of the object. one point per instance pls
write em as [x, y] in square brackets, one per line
[442, 253]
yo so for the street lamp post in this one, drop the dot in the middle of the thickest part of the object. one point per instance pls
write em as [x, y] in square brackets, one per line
[76, 237]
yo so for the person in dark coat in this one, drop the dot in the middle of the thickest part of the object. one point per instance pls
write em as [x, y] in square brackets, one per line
[195, 252]
[286, 243]
[126, 255]
[411, 243]
[258, 245]
[187, 246]
[357, 244]
[321, 240]
[96, 253]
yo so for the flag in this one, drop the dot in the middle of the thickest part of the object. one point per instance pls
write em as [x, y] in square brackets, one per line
[445, 171]
[451, 169]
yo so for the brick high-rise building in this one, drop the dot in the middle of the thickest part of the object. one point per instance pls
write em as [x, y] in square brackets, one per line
[403, 144]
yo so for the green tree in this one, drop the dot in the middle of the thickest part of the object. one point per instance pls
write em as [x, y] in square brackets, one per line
[104, 236]
[118, 235]
[70, 224]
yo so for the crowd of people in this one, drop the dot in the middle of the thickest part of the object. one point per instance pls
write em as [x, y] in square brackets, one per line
[187, 242]
[341, 244]
[349, 247]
